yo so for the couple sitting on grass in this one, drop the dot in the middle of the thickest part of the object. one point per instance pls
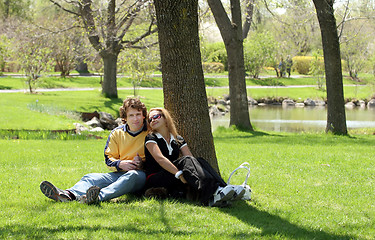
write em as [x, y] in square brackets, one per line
[144, 157]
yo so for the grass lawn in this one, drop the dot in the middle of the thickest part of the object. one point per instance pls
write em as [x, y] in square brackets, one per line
[53, 110]
[305, 186]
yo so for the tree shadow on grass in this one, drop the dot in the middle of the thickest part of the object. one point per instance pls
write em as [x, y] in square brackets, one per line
[22, 231]
[113, 103]
[2, 87]
[272, 225]
[240, 134]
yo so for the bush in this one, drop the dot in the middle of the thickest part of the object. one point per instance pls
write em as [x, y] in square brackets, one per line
[213, 67]
[259, 51]
[215, 52]
[301, 64]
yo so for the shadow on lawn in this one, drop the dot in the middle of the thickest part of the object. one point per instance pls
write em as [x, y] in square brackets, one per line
[273, 225]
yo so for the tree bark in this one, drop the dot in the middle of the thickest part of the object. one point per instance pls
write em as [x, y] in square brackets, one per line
[248, 18]
[231, 32]
[109, 84]
[336, 119]
[183, 81]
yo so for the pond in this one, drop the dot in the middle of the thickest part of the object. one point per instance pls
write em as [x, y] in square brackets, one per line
[298, 119]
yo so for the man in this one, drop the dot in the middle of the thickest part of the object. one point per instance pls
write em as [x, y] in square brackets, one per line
[124, 154]
[288, 64]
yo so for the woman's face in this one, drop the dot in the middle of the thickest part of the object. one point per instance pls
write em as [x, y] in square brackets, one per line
[156, 120]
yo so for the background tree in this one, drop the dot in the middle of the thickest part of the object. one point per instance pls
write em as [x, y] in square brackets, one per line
[139, 63]
[336, 119]
[260, 51]
[15, 8]
[4, 52]
[33, 54]
[106, 25]
[231, 32]
[249, 13]
[296, 29]
[317, 68]
[183, 81]
[67, 41]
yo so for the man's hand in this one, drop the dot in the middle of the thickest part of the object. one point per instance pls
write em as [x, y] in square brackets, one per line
[137, 160]
[128, 165]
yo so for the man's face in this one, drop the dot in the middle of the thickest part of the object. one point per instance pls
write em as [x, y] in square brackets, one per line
[134, 119]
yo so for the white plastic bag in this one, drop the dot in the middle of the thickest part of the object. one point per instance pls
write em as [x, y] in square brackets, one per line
[245, 165]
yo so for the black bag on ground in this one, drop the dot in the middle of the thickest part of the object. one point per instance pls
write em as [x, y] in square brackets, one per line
[201, 177]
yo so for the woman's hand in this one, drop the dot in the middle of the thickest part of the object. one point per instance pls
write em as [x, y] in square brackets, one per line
[181, 177]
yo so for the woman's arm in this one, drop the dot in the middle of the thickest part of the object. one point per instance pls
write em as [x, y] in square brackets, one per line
[185, 151]
[164, 162]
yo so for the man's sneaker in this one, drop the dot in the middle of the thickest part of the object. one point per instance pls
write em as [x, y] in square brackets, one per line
[92, 195]
[54, 193]
[221, 196]
[239, 191]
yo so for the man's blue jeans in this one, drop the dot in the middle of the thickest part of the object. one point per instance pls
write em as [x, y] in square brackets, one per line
[113, 184]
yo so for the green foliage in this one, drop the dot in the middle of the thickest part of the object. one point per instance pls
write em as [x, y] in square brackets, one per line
[213, 67]
[19, 8]
[302, 64]
[140, 64]
[259, 51]
[4, 52]
[33, 54]
[317, 68]
[66, 134]
[214, 52]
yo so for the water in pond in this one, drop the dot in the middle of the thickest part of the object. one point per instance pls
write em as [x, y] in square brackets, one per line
[294, 119]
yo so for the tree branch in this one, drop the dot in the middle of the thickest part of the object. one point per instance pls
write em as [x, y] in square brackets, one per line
[143, 47]
[274, 15]
[149, 32]
[65, 9]
[221, 18]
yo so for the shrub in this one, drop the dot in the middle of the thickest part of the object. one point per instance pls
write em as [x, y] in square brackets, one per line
[302, 64]
[213, 67]
[215, 52]
[259, 51]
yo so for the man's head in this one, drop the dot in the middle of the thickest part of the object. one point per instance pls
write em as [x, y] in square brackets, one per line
[133, 112]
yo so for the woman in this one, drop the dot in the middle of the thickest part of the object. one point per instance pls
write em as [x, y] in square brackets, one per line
[164, 168]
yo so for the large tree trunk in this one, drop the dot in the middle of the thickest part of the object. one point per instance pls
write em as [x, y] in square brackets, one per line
[109, 84]
[231, 32]
[336, 119]
[183, 81]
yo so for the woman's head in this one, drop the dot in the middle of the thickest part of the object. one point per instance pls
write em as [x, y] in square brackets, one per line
[162, 116]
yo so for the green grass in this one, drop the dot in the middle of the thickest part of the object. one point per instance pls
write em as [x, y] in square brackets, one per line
[350, 92]
[305, 186]
[212, 80]
[51, 110]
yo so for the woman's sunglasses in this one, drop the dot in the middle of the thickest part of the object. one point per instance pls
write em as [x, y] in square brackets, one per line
[156, 116]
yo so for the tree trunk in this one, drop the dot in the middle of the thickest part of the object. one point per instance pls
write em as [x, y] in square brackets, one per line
[239, 107]
[231, 32]
[248, 18]
[336, 119]
[183, 81]
[109, 84]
